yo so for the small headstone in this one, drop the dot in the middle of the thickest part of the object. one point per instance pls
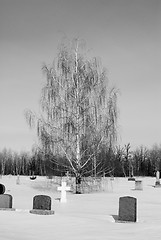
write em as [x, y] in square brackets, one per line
[2, 189]
[6, 202]
[127, 209]
[138, 185]
[112, 178]
[63, 190]
[42, 205]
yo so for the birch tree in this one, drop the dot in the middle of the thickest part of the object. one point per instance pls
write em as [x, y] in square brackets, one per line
[79, 109]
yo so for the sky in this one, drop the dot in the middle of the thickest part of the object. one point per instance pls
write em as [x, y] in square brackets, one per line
[124, 34]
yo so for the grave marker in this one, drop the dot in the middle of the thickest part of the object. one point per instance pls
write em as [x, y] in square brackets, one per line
[127, 209]
[42, 205]
[18, 180]
[2, 189]
[63, 190]
[6, 202]
[138, 185]
[157, 178]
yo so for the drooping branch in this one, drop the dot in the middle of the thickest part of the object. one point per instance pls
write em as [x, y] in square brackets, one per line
[79, 109]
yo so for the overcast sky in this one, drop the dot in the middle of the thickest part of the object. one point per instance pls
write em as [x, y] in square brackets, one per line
[125, 34]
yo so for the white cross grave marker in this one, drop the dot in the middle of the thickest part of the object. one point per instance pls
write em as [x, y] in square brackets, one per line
[63, 190]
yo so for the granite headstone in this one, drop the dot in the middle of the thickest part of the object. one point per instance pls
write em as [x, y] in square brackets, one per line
[42, 205]
[127, 209]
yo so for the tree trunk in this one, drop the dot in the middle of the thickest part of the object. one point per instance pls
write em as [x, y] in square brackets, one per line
[78, 184]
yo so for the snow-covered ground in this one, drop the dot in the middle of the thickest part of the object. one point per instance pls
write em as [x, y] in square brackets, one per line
[82, 217]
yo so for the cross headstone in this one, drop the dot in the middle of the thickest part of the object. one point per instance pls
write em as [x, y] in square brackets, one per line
[42, 205]
[127, 209]
[63, 190]
[6, 202]
[2, 189]
[138, 185]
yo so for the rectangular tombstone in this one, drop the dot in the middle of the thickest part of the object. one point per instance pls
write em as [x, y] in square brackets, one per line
[127, 209]
[42, 202]
[138, 185]
[5, 201]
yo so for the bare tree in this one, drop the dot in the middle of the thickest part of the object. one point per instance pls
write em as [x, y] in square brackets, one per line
[141, 155]
[121, 157]
[79, 109]
[128, 155]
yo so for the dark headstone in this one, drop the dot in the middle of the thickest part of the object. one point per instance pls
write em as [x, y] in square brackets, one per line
[131, 179]
[42, 205]
[2, 189]
[127, 209]
[6, 202]
[42, 202]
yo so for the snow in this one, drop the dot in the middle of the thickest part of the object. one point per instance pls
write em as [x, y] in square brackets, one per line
[83, 216]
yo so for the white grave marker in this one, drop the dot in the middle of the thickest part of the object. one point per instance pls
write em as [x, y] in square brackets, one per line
[18, 180]
[157, 178]
[63, 190]
[157, 175]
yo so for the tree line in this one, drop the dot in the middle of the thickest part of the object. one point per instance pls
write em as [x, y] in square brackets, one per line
[117, 162]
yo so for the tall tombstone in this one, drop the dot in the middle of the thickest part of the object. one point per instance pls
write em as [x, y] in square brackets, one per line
[42, 205]
[157, 178]
[6, 202]
[127, 209]
[18, 180]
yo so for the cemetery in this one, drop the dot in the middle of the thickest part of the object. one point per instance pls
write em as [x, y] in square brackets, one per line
[49, 209]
